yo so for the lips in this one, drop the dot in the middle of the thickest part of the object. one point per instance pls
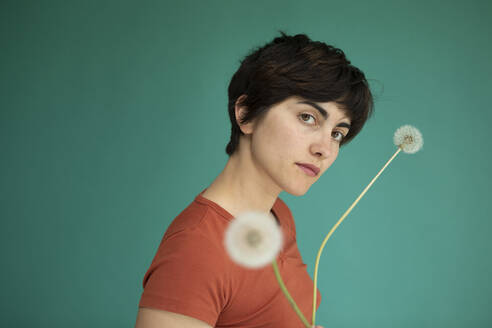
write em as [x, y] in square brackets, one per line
[311, 167]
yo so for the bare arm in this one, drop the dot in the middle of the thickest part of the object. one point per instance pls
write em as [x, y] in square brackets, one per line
[154, 318]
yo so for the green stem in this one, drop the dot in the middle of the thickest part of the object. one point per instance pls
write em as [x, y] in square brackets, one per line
[286, 293]
[335, 227]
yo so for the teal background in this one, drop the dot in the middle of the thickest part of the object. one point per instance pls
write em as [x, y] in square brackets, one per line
[114, 116]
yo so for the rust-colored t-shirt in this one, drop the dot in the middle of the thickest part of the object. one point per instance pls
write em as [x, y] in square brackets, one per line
[192, 274]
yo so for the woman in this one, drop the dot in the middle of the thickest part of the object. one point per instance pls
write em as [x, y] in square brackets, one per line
[292, 104]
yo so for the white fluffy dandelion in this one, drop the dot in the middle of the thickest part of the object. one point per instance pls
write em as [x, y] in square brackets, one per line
[253, 239]
[408, 138]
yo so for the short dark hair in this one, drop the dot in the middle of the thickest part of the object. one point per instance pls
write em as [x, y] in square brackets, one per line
[297, 66]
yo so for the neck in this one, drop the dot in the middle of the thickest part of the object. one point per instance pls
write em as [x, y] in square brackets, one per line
[241, 186]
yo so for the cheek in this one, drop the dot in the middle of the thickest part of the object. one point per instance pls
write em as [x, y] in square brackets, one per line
[280, 142]
[289, 143]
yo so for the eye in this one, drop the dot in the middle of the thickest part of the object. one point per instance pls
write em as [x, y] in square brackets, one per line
[305, 117]
[338, 136]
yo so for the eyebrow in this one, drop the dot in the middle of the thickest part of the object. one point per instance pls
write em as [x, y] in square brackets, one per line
[323, 112]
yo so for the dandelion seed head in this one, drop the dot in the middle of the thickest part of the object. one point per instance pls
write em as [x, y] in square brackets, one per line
[253, 239]
[408, 138]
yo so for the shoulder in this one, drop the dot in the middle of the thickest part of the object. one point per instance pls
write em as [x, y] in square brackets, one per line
[191, 245]
[197, 219]
[190, 273]
[198, 228]
[188, 219]
[285, 213]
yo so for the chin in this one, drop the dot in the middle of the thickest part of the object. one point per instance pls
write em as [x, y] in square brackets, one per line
[297, 191]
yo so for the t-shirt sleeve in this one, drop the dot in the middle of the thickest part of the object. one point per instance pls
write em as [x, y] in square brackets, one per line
[188, 275]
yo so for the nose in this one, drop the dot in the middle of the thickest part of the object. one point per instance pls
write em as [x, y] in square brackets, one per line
[323, 147]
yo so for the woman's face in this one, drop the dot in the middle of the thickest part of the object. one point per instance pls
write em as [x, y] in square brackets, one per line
[294, 131]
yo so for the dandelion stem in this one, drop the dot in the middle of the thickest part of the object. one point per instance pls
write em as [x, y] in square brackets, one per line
[286, 293]
[337, 224]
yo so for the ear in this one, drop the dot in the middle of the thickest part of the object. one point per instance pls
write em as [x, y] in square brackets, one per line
[240, 111]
